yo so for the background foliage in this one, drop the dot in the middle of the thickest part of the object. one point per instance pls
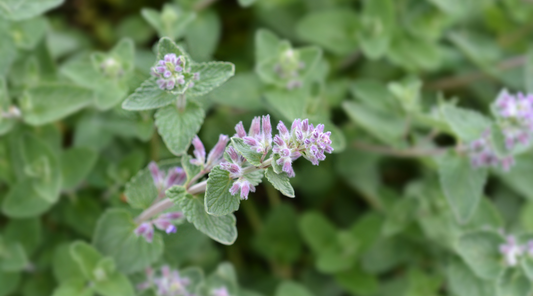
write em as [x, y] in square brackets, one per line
[396, 210]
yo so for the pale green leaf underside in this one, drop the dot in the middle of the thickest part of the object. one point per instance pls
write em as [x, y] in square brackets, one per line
[220, 228]
[280, 182]
[24, 9]
[218, 199]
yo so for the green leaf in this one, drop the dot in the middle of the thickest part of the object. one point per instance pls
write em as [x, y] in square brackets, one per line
[203, 34]
[171, 22]
[50, 102]
[289, 288]
[19, 10]
[388, 131]
[140, 190]
[64, 267]
[76, 164]
[278, 239]
[280, 182]
[290, 104]
[224, 276]
[212, 75]
[377, 26]
[22, 201]
[480, 251]
[114, 236]
[115, 284]
[218, 199]
[87, 259]
[178, 127]
[25, 231]
[357, 282]
[149, 96]
[251, 156]
[339, 256]
[415, 54]
[528, 72]
[518, 177]
[462, 185]
[81, 214]
[6, 124]
[333, 29]
[421, 283]
[266, 45]
[463, 282]
[242, 92]
[76, 287]
[9, 282]
[317, 231]
[12, 256]
[467, 125]
[246, 3]
[8, 49]
[28, 33]
[43, 166]
[407, 92]
[513, 282]
[220, 228]
[191, 169]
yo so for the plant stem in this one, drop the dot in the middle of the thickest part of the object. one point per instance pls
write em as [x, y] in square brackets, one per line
[197, 188]
[181, 103]
[464, 79]
[408, 153]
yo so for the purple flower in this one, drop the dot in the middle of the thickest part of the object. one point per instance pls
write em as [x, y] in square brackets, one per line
[165, 222]
[146, 230]
[199, 152]
[222, 291]
[168, 283]
[242, 185]
[170, 72]
[511, 251]
[259, 137]
[163, 181]
[482, 154]
[302, 140]
[215, 155]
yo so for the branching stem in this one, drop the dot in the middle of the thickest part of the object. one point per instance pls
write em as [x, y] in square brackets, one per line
[197, 188]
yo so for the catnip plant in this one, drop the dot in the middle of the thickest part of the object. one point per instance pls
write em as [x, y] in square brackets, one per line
[147, 148]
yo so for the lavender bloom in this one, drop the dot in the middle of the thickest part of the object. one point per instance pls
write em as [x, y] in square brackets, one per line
[242, 185]
[171, 71]
[199, 152]
[515, 114]
[164, 222]
[222, 291]
[303, 140]
[483, 154]
[511, 251]
[146, 230]
[215, 155]
[163, 181]
[259, 137]
[169, 283]
[288, 68]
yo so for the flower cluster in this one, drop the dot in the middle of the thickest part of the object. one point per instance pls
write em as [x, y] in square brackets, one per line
[171, 72]
[165, 222]
[111, 68]
[215, 155]
[288, 68]
[483, 154]
[302, 140]
[512, 251]
[515, 115]
[163, 181]
[169, 283]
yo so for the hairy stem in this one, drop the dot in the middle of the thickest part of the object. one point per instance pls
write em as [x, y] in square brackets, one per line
[197, 188]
